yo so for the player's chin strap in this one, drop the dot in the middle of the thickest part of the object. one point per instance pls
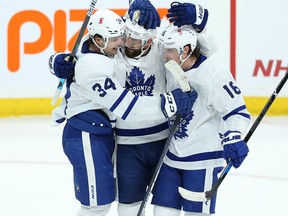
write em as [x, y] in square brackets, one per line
[101, 48]
[183, 60]
[144, 50]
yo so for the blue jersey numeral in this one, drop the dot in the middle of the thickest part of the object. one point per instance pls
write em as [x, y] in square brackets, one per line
[232, 87]
[107, 85]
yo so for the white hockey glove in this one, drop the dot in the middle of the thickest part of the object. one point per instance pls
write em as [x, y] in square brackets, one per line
[177, 102]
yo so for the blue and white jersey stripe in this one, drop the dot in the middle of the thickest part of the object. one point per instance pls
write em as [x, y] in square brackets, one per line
[241, 110]
[143, 133]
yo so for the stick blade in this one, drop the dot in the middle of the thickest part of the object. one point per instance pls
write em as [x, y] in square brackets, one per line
[58, 91]
[56, 96]
[178, 74]
[192, 196]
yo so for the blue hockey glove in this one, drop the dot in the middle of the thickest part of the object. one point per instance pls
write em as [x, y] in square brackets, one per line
[149, 17]
[235, 148]
[177, 102]
[188, 14]
[60, 66]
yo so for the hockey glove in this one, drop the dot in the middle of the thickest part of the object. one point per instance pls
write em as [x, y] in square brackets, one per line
[149, 17]
[235, 148]
[177, 102]
[188, 14]
[60, 66]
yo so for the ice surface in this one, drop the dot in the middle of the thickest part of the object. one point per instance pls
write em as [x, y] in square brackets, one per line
[36, 177]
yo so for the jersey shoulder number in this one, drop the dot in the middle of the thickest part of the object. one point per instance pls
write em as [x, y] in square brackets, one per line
[102, 88]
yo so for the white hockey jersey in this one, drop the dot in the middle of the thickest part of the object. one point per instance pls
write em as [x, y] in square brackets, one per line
[96, 87]
[146, 76]
[219, 107]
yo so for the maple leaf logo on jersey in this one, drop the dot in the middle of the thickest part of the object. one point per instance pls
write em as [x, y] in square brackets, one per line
[138, 85]
[182, 127]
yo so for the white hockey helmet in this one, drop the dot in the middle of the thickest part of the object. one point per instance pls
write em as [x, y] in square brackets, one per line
[136, 31]
[106, 23]
[178, 38]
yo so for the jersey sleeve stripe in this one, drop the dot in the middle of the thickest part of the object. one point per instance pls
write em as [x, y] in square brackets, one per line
[196, 157]
[130, 107]
[237, 112]
[118, 101]
[245, 115]
[142, 131]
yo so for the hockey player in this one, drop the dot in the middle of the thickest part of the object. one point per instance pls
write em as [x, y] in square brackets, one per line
[91, 104]
[140, 144]
[211, 132]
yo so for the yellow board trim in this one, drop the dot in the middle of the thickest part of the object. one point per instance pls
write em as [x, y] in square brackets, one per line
[256, 104]
[25, 106]
[41, 106]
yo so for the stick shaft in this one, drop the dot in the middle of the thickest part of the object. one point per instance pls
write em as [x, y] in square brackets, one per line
[82, 30]
[75, 48]
[179, 76]
[266, 107]
[158, 167]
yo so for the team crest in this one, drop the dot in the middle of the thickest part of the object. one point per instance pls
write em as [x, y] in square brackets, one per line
[181, 130]
[138, 85]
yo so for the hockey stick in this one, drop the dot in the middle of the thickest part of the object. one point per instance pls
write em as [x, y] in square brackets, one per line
[206, 196]
[75, 48]
[178, 74]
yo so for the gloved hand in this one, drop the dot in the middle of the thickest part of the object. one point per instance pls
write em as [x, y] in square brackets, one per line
[177, 102]
[60, 66]
[149, 17]
[235, 148]
[188, 14]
